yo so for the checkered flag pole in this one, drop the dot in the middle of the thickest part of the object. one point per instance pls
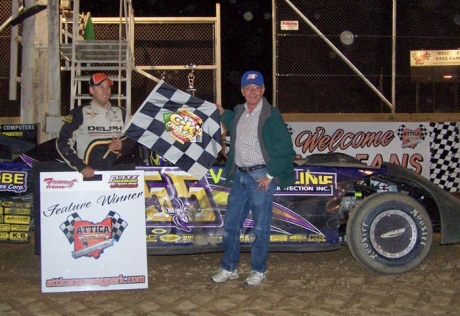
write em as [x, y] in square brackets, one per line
[148, 126]
[68, 226]
[118, 225]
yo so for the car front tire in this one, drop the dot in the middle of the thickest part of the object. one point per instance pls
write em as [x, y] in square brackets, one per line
[389, 233]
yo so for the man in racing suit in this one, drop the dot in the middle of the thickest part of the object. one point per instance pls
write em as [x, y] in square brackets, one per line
[90, 131]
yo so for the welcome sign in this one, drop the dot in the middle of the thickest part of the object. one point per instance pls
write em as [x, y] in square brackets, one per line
[403, 143]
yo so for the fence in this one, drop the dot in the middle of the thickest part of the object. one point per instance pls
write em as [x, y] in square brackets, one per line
[171, 44]
[163, 47]
[310, 77]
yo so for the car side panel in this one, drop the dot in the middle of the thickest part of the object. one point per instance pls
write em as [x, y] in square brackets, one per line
[185, 215]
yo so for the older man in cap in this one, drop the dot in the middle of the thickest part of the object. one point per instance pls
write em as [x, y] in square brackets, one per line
[260, 159]
[89, 131]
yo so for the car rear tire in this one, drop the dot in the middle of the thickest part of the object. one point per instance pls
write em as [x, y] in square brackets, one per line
[389, 233]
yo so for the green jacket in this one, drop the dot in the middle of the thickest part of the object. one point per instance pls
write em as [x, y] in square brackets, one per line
[276, 143]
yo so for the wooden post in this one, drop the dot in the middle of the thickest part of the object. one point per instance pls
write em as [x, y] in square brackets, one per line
[28, 114]
[35, 96]
[53, 117]
[14, 53]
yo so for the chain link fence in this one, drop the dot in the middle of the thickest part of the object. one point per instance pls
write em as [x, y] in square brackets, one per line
[312, 78]
[159, 44]
[142, 86]
[155, 44]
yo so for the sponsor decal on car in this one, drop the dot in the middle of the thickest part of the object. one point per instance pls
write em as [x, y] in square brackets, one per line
[316, 238]
[13, 181]
[17, 219]
[18, 236]
[170, 238]
[311, 183]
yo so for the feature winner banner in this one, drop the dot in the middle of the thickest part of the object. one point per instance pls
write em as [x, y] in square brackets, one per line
[428, 148]
[93, 232]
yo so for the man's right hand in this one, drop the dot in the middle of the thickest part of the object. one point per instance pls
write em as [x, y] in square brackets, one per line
[220, 108]
[88, 172]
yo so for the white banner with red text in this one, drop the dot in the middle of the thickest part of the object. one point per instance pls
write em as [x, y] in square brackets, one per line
[428, 148]
[92, 232]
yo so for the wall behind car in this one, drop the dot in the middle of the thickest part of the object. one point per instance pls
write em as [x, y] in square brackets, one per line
[430, 149]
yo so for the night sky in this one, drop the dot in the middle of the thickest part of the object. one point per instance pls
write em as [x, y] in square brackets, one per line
[246, 33]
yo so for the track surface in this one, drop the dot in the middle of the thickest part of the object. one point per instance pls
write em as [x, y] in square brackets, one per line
[326, 283]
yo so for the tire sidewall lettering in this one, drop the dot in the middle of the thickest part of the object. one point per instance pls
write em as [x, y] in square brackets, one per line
[423, 230]
[366, 242]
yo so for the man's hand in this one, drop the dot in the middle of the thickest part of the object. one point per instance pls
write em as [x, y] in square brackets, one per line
[220, 108]
[88, 172]
[116, 145]
[264, 183]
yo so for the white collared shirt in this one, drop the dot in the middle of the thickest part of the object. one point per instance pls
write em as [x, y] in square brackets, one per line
[247, 146]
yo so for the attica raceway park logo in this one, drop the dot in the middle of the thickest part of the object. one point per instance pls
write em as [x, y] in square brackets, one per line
[409, 137]
[90, 239]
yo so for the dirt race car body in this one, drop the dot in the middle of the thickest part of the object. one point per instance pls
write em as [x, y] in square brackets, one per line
[385, 215]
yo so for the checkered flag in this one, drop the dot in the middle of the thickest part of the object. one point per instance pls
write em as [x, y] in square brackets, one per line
[445, 164]
[68, 226]
[118, 225]
[178, 126]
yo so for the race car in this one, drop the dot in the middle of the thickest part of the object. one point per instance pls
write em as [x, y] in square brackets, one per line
[386, 215]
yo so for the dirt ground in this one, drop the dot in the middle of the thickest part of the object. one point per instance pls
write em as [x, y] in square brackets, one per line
[325, 283]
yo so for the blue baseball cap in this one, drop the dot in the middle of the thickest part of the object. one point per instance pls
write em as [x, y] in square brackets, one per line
[252, 77]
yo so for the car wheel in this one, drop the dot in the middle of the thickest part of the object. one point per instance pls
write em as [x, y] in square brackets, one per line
[389, 233]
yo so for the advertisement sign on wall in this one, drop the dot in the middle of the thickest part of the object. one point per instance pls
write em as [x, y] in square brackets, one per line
[426, 58]
[16, 139]
[430, 149]
[93, 232]
[405, 144]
